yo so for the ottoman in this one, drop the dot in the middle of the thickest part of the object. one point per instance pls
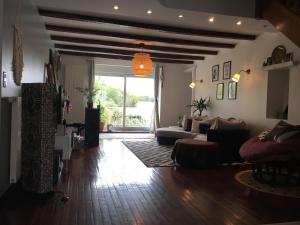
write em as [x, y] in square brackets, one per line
[196, 153]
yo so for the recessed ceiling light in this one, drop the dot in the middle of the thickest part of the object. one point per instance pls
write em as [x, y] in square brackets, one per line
[239, 23]
[116, 7]
[149, 11]
[211, 19]
[180, 16]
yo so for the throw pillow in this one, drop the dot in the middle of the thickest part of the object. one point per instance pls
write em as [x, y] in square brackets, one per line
[222, 124]
[188, 125]
[280, 128]
[200, 118]
[195, 126]
[287, 135]
[204, 127]
[184, 121]
[263, 135]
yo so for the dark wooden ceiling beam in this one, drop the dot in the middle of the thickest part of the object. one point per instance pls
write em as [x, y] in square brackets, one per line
[126, 52]
[143, 25]
[133, 46]
[121, 57]
[68, 29]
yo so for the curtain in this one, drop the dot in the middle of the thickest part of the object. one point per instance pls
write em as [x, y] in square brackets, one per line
[158, 84]
[91, 73]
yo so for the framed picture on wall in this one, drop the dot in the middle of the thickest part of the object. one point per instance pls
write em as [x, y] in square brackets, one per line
[220, 91]
[215, 73]
[232, 90]
[227, 70]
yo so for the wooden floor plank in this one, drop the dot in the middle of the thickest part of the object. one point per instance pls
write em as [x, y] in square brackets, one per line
[110, 186]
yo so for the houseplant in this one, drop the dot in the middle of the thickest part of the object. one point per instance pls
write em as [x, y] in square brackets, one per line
[102, 118]
[90, 94]
[200, 105]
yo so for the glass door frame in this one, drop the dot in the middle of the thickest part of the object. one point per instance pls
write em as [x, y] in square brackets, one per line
[124, 127]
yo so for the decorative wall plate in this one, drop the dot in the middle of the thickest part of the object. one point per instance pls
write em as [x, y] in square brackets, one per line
[279, 54]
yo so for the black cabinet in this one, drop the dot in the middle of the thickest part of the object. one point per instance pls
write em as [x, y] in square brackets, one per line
[91, 127]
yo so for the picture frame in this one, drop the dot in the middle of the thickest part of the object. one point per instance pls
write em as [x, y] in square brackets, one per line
[232, 90]
[227, 70]
[220, 91]
[215, 73]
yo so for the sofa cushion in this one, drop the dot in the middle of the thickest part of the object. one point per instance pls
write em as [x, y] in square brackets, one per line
[256, 151]
[204, 127]
[279, 129]
[201, 137]
[188, 125]
[287, 135]
[175, 132]
[184, 121]
[263, 136]
[195, 126]
[232, 124]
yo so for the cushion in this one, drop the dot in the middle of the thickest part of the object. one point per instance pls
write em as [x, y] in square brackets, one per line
[195, 126]
[232, 124]
[175, 132]
[280, 128]
[204, 127]
[188, 125]
[184, 121]
[287, 135]
[200, 118]
[263, 136]
[210, 120]
[201, 137]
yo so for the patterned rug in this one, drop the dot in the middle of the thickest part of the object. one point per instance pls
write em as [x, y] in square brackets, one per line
[246, 178]
[151, 153]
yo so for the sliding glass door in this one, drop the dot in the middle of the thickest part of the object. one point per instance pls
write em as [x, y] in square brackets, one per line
[128, 101]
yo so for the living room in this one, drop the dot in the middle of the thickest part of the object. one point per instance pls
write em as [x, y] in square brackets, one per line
[153, 112]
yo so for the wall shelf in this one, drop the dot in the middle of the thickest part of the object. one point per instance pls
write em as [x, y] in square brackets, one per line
[279, 66]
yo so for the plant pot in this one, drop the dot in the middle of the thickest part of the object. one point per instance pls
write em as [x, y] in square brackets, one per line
[90, 105]
[101, 126]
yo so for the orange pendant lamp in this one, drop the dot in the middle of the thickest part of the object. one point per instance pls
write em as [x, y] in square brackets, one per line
[141, 64]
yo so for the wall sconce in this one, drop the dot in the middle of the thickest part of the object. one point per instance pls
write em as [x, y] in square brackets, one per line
[236, 77]
[193, 84]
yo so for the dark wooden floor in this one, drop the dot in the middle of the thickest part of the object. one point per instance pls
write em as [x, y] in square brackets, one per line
[111, 186]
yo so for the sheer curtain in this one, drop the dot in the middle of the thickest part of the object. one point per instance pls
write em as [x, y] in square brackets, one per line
[158, 84]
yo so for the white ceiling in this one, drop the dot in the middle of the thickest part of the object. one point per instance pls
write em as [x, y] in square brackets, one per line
[135, 10]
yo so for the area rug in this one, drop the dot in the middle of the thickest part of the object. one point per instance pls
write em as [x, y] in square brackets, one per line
[151, 153]
[246, 178]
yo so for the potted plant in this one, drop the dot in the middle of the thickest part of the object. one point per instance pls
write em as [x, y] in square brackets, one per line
[90, 94]
[200, 105]
[102, 118]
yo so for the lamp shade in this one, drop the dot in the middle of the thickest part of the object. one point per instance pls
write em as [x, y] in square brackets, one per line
[236, 77]
[141, 64]
[192, 85]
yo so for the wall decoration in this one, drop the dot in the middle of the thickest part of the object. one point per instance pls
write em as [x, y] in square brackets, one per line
[227, 70]
[232, 90]
[215, 73]
[279, 55]
[17, 63]
[220, 91]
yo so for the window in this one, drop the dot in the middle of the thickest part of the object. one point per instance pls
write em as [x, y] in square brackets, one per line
[128, 101]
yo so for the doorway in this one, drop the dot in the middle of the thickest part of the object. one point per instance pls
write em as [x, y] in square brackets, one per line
[128, 102]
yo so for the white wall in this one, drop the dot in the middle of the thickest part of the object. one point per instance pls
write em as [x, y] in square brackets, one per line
[252, 89]
[175, 94]
[36, 44]
[75, 74]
